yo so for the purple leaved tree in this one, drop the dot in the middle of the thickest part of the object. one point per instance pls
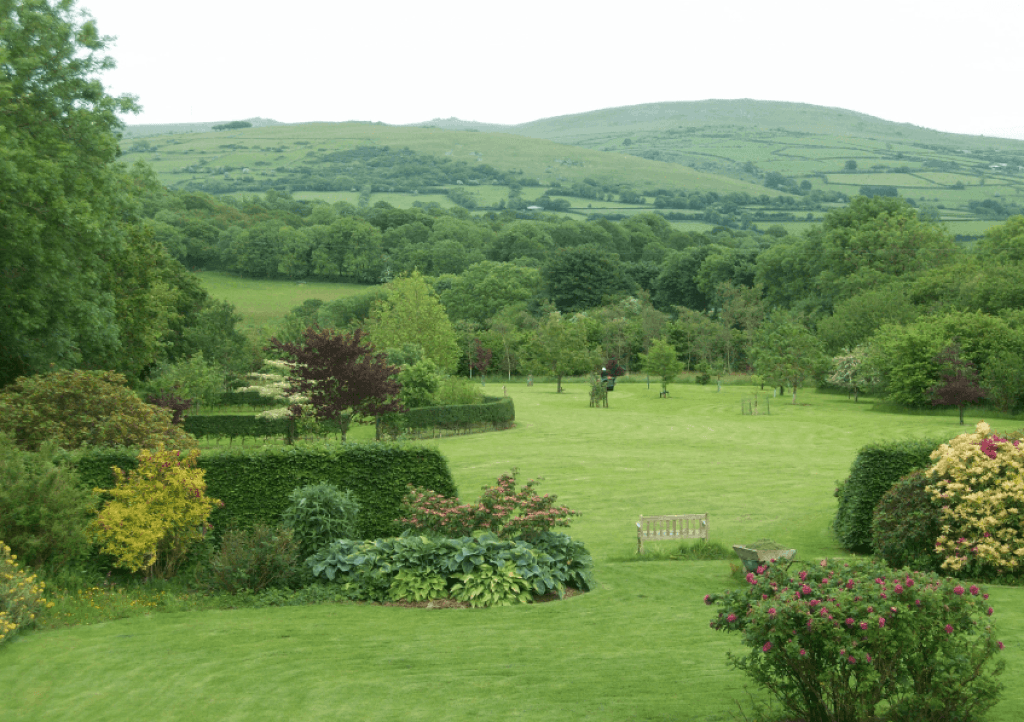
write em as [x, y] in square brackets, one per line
[343, 375]
[959, 380]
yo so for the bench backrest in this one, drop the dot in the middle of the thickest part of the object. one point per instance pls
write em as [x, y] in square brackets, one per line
[669, 527]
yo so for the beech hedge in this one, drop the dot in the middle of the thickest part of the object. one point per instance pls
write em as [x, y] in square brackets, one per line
[875, 470]
[254, 484]
[494, 414]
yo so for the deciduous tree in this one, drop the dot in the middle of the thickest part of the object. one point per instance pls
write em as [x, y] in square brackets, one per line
[61, 201]
[342, 374]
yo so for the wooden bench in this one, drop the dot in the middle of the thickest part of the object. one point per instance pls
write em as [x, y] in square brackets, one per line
[671, 527]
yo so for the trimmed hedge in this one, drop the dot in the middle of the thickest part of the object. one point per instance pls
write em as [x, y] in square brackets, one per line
[493, 414]
[254, 484]
[240, 426]
[235, 426]
[875, 470]
[248, 398]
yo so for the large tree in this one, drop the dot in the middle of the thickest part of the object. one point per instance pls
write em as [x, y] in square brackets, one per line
[583, 277]
[412, 313]
[61, 199]
[560, 347]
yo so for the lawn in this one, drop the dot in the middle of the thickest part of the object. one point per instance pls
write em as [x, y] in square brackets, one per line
[636, 648]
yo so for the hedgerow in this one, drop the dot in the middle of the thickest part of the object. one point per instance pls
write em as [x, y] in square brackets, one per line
[254, 484]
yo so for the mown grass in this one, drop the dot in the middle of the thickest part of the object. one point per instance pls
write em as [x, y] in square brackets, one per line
[636, 648]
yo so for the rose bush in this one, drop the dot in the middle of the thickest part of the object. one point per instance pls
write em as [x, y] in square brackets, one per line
[851, 641]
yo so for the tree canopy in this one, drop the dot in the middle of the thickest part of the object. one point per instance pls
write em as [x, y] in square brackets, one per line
[61, 200]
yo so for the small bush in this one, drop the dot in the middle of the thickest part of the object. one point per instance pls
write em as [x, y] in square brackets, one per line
[43, 512]
[845, 641]
[906, 525]
[21, 596]
[84, 408]
[155, 513]
[254, 559]
[874, 471]
[318, 514]
[978, 479]
[503, 510]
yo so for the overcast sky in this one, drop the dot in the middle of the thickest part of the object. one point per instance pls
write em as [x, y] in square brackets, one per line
[951, 66]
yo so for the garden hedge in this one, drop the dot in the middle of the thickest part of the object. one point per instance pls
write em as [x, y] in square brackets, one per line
[254, 484]
[875, 470]
[494, 414]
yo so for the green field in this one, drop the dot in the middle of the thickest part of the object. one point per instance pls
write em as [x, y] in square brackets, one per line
[263, 302]
[636, 648]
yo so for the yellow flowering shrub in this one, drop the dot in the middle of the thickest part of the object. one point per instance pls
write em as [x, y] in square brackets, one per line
[21, 596]
[155, 513]
[978, 479]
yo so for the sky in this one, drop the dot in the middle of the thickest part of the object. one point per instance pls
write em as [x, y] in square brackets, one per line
[940, 64]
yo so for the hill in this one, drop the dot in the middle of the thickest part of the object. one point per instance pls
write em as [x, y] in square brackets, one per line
[613, 161]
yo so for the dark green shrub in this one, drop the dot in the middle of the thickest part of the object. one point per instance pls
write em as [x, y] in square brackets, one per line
[318, 514]
[44, 512]
[874, 471]
[254, 559]
[906, 524]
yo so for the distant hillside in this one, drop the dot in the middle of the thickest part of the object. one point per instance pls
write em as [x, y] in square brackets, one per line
[716, 161]
[142, 131]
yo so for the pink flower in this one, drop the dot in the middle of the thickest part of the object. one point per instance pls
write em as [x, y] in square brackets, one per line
[766, 647]
[974, 590]
[731, 618]
[881, 621]
[989, 611]
[1000, 644]
[851, 659]
[771, 611]
[803, 576]
[958, 590]
[803, 652]
[867, 657]
[850, 621]
[805, 590]
[760, 569]
[863, 625]
[751, 578]
[949, 629]
[707, 599]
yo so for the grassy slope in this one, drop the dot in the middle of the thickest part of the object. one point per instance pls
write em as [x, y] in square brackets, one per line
[637, 648]
[263, 302]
